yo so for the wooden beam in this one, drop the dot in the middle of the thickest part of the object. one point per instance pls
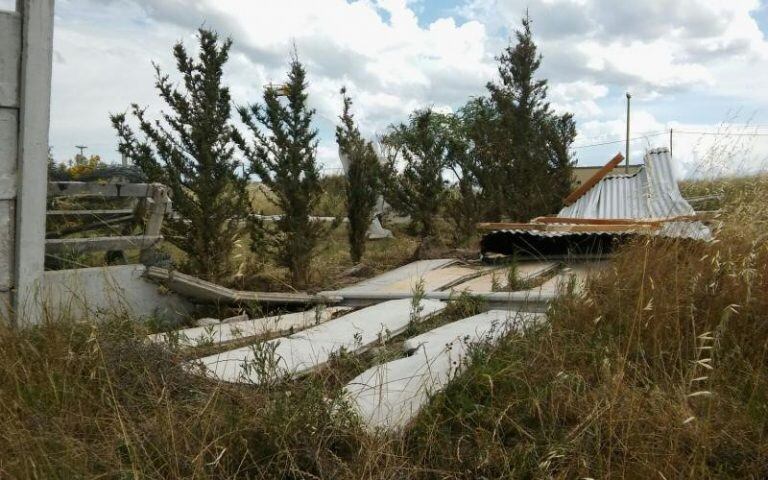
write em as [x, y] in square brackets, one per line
[586, 186]
[573, 227]
[89, 213]
[595, 221]
[634, 227]
[486, 226]
[623, 221]
[140, 190]
[100, 223]
[160, 204]
[99, 244]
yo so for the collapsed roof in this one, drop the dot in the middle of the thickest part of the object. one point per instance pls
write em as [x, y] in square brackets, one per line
[608, 207]
[651, 192]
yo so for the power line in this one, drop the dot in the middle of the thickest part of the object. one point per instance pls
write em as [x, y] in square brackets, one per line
[727, 134]
[599, 138]
[688, 132]
[654, 134]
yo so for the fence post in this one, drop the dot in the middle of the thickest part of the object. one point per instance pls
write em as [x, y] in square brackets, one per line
[35, 109]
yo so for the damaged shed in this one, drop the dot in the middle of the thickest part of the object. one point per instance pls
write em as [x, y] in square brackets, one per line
[607, 208]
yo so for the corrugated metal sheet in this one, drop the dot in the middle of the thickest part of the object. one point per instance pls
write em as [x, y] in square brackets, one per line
[652, 192]
[694, 230]
[554, 234]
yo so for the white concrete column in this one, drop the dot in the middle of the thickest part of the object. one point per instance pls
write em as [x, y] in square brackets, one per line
[26, 42]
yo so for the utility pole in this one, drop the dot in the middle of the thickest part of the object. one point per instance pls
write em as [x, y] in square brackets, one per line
[626, 150]
[81, 147]
[670, 141]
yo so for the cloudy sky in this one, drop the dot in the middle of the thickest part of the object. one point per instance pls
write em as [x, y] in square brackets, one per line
[691, 65]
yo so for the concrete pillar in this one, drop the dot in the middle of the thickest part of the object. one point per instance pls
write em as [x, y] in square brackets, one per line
[26, 43]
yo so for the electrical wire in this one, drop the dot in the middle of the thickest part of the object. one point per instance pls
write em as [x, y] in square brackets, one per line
[736, 134]
[674, 132]
[610, 142]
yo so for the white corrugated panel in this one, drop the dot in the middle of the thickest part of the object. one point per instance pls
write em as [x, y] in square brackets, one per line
[652, 192]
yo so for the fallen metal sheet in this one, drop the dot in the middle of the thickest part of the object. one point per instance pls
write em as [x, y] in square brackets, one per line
[434, 280]
[388, 396]
[305, 351]
[227, 332]
[526, 271]
[401, 279]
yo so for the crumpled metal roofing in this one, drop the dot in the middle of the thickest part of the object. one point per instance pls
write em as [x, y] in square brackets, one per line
[649, 194]
[652, 192]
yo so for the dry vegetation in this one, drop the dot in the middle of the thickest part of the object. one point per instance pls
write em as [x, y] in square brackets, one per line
[659, 371]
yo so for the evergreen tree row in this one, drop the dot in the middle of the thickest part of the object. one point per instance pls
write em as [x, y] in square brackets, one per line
[504, 155]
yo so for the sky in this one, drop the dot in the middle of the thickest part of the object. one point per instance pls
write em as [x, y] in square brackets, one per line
[691, 65]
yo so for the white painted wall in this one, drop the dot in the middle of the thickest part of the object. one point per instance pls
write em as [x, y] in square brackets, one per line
[97, 292]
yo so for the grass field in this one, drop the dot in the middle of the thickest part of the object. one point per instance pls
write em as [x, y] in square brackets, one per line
[660, 370]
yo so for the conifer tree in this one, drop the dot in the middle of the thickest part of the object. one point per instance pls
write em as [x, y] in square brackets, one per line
[363, 179]
[283, 155]
[463, 204]
[419, 190]
[532, 141]
[192, 151]
[479, 121]
[559, 133]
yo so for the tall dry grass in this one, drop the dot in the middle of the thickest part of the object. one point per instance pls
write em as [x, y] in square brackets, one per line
[658, 370]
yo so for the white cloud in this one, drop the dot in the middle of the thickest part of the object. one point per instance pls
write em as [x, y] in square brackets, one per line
[580, 97]
[391, 66]
[667, 52]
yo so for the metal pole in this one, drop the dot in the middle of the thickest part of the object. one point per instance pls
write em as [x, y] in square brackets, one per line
[626, 151]
[670, 142]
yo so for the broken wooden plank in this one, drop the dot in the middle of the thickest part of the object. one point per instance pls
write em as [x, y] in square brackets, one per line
[202, 290]
[388, 396]
[243, 329]
[303, 352]
[100, 244]
[592, 181]
[159, 205]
